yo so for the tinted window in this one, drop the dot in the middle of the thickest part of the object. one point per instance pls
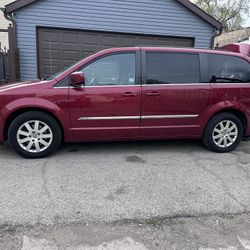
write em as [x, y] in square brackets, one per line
[116, 69]
[167, 68]
[228, 69]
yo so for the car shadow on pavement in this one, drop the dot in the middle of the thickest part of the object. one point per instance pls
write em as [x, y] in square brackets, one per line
[156, 146]
[145, 146]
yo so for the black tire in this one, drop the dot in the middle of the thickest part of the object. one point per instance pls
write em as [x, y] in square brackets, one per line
[54, 131]
[208, 139]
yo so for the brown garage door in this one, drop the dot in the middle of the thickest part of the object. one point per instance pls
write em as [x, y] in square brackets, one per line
[58, 48]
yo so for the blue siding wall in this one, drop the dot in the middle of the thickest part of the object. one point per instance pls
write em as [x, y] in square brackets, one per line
[152, 17]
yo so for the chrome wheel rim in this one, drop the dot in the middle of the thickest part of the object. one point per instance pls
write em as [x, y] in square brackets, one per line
[225, 133]
[34, 136]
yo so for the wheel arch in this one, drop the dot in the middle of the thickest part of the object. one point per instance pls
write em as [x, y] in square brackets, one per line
[20, 111]
[237, 112]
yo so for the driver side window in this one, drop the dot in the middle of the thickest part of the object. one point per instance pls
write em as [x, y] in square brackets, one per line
[117, 69]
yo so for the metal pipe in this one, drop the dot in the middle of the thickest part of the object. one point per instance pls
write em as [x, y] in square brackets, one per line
[216, 33]
[13, 63]
[12, 20]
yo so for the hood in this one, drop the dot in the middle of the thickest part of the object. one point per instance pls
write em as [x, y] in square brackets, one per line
[10, 86]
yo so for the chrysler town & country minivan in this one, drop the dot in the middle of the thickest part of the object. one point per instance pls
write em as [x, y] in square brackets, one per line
[132, 94]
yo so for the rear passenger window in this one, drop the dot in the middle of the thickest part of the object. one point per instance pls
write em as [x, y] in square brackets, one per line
[224, 69]
[172, 68]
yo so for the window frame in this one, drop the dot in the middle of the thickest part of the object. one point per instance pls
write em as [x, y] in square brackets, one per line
[144, 70]
[137, 70]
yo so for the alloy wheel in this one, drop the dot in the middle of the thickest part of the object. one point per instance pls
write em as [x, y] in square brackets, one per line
[34, 136]
[225, 133]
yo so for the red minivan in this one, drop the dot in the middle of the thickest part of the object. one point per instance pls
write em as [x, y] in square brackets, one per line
[132, 94]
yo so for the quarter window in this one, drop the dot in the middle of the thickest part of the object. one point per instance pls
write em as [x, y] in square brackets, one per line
[168, 68]
[118, 69]
[223, 69]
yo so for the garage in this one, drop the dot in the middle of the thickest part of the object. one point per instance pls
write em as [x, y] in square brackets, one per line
[52, 34]
[58, 48]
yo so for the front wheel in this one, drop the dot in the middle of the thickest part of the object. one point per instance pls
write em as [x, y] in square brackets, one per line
[223, 133]
[34, 134]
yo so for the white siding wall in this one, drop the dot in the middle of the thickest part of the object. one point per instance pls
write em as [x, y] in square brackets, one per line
[153, 17]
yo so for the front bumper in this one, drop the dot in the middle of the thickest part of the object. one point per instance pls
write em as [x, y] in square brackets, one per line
[1, 130]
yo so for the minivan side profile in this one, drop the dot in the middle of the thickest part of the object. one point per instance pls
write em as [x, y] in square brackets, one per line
[138, 93]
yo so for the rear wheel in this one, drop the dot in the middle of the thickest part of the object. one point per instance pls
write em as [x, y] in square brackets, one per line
[34, 134]
[223, 133]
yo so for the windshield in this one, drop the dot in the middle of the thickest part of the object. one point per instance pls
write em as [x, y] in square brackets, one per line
[51, 77]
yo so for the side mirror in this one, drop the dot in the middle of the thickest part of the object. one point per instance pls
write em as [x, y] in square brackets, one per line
[77, 79]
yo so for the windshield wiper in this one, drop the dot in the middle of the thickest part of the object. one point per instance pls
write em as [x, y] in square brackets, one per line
[214, 79]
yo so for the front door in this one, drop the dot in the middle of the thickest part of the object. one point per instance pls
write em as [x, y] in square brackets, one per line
[108, 106]
[173, 96]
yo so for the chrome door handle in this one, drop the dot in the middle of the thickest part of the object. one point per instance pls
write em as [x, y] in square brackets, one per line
[152, 94]
[129, 94]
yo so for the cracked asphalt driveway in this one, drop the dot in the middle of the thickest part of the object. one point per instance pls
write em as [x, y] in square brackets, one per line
[107, 182]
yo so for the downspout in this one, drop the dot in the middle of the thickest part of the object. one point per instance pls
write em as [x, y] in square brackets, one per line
[11, 19]
[13, 50]
[216, 33]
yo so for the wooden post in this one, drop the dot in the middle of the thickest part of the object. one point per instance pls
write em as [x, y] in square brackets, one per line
[14, 68]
